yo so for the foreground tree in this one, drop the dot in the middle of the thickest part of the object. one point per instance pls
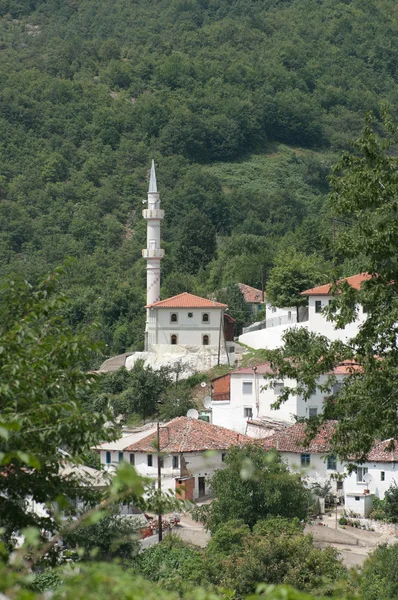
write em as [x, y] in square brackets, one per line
[43, 380]
[256, 484]
[365, 196]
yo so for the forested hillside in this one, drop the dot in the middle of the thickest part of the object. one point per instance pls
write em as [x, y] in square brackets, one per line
[244, 104]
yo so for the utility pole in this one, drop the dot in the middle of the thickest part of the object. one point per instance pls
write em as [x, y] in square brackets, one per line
[160, 532]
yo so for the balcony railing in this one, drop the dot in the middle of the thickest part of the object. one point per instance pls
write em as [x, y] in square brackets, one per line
[153, 213]
[153, 253]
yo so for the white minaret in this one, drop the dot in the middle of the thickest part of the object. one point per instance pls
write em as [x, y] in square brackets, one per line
[153, 252]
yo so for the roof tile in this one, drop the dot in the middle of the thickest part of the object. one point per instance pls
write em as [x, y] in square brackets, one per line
[186, 300]
[354, 281]
[189, 435]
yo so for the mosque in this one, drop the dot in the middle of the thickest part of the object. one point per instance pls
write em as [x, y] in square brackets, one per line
[186, 330]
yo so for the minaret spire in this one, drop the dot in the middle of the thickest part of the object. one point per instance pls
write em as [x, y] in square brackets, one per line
[152, 181]
[153, 253]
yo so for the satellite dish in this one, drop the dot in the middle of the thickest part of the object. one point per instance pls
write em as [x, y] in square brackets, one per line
[203, 384]
[192, 413]
[207, 402]
[367, 478]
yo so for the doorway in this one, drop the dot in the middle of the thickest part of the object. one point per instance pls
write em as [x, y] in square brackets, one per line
[202, 486]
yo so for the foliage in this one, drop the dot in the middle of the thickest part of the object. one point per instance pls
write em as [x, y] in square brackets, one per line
[364, 184]
[113, 536]
[238, 308]
[43, 381]
[293, 273]
[379, 579]
[255, 484]
[275, 552]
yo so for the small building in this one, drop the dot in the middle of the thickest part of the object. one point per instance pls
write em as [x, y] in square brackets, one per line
[186, 320]
[311, 457]
[254, 298]
[243, 397]
[185, 464]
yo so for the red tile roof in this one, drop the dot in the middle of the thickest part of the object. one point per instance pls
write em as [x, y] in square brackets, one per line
[293, 438]
[381, 451]
[190, 435]
[260, 369]
[186, 300]
[354, 281]
[251, 294]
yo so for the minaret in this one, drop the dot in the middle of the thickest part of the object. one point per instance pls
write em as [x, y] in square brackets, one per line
[152, 253]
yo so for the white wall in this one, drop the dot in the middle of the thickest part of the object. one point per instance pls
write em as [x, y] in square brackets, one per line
[375, 486]
[317, 470]
[232, 414]
[189, 330]
[198, 465]
[318, 321]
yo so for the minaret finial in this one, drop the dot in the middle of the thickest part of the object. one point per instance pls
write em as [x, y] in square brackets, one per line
[152, 181]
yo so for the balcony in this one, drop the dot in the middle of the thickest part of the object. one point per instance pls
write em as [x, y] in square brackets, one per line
[153, 253]
[153, 213]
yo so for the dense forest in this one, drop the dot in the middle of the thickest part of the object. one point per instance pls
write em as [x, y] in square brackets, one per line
[244, 105]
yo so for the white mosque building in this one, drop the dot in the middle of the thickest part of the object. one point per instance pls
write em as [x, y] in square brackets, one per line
[186, 330]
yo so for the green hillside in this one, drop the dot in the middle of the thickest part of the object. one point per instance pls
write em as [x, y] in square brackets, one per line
[244, 104]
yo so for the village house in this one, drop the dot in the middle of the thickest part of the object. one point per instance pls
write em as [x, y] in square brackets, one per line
[186, 464]
[311, 317]
[243, 400]
[253, 297]
[313, 459]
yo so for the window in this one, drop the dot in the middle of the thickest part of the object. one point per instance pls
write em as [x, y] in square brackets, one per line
[173, 340]
[161, 461]
[132, 459]
[305, 460]
[318, 306]
[289, 314]
[331, 463]
[205, 340]
[337, 387]
[339, 485]
[150, 460]
[108, 458]
[357, 498]
[190, 315]
[312, 412]
[382, 475]
[248, 413]
[152, 244]
[361, 472]
[173, 318]
[223, 455]
[205, 318]
[120, 456]
[273, 309]
[278, 387]
[247, 387]
[176, 462]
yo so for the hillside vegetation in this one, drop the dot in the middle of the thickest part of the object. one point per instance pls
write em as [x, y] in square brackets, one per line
[244, 104]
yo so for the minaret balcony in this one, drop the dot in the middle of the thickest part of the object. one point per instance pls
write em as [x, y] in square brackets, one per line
[153, 253]
[153, 213]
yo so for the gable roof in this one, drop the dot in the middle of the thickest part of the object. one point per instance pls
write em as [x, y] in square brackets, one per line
[354, 281]
[189, 435]
[261, 369]
[251, 294]
[293, 438]
[381, 451]
[186, 300]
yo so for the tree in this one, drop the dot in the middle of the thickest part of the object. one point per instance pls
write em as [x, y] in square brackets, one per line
[43, 380]
[365, 188]
[197, 243]
[238, 307]
[293, 273]
[275, 552]
[256, 484]
[379, 578]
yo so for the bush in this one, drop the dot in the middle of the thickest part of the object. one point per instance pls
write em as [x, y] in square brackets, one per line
[343, 521]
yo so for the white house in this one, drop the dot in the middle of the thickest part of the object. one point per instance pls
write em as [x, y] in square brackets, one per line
[243, 400]
[253, 297]
[315, 320]
[187, 320]
[185, 464]
[314, 460]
